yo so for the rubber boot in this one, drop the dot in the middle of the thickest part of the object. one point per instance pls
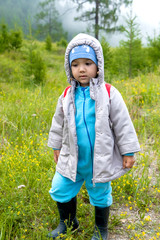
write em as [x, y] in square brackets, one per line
[67, 212]
[101, 223]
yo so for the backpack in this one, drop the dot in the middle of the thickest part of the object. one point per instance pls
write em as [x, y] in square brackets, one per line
[107, 85]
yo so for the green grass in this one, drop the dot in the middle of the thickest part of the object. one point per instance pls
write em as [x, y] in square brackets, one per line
[28, 212]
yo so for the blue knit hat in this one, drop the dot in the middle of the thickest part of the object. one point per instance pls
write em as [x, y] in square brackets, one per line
[83, 51]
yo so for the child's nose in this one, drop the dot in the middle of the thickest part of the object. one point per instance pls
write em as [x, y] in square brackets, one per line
[81, 68]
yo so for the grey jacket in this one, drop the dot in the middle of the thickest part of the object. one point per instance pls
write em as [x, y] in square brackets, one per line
[115, 133]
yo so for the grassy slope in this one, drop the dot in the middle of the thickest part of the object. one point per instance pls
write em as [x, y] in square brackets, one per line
[25, 118]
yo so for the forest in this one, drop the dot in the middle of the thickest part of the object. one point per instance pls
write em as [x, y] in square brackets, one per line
[33, 40]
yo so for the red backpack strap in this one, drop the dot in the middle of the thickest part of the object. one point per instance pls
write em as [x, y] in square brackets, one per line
[108, 87]
[65, 91]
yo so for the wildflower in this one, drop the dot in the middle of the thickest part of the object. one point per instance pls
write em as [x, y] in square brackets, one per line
[143, 233]
[148, 218]
[142, 154]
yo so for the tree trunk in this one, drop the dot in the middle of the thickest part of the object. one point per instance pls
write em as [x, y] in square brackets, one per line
[97, 20]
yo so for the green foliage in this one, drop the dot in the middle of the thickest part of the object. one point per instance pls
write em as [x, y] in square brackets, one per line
[133, 57]
[9, 40]
[154, 49]
[48, 43]
[36, 67]
[62, 43]
[132, 47]
[106, 53]
[4, 38]
[16, 39]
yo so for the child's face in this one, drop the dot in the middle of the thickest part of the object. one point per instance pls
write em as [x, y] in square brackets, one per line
[83, 70]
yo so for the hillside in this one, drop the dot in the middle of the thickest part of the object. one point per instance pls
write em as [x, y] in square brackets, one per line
[27, 166]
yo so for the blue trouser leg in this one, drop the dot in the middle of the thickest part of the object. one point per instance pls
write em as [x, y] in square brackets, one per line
[63, 190]
[100, 194]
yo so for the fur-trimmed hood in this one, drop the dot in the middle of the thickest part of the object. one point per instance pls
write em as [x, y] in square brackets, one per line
[81, 39]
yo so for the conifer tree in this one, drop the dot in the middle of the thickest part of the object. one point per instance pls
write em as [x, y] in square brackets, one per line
[47, 21]
[132, 45]
[102, 14]
[154, 49]
[48, 42]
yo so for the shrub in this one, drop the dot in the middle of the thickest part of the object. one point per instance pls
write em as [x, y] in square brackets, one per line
[36, 66]
[48, 42]
[106, 53]
[154, 49]
[9, 40]
[4, 38]
[15, 39]
[62, 43]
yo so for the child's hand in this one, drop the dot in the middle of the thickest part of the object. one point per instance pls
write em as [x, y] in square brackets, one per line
[128, 161]
[56, 155]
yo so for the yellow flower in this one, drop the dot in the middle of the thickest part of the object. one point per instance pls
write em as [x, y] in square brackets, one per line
[148, 218]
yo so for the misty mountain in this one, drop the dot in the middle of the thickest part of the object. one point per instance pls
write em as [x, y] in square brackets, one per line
[18, 13]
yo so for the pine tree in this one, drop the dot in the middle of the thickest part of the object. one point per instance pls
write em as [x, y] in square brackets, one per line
[154, 49]
[16, 39]
[133, 45]
[48, 42]
[103, 14]
[4, 38]
[47, 21]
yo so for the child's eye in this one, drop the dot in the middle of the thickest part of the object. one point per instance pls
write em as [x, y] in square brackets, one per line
[74, 65]
[88, 63]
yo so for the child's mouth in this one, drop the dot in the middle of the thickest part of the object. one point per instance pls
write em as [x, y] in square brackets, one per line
[83, 76]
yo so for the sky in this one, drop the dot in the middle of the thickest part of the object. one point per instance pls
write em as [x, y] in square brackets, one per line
[148, 15]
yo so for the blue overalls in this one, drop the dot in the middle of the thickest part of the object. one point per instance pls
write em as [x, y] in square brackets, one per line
[63, 189]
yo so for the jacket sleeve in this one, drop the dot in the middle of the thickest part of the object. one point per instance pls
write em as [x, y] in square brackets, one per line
[56, 130]
[125, 135]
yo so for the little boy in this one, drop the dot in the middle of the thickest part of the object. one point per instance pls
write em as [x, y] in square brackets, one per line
[92, 136]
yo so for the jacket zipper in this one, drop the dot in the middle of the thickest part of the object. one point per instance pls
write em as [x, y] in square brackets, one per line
[84, 119]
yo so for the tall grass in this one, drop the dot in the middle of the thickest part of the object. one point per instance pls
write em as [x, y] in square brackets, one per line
[27, 166]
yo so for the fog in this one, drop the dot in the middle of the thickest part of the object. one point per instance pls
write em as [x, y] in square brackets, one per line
[20, 12]
[146, 11]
